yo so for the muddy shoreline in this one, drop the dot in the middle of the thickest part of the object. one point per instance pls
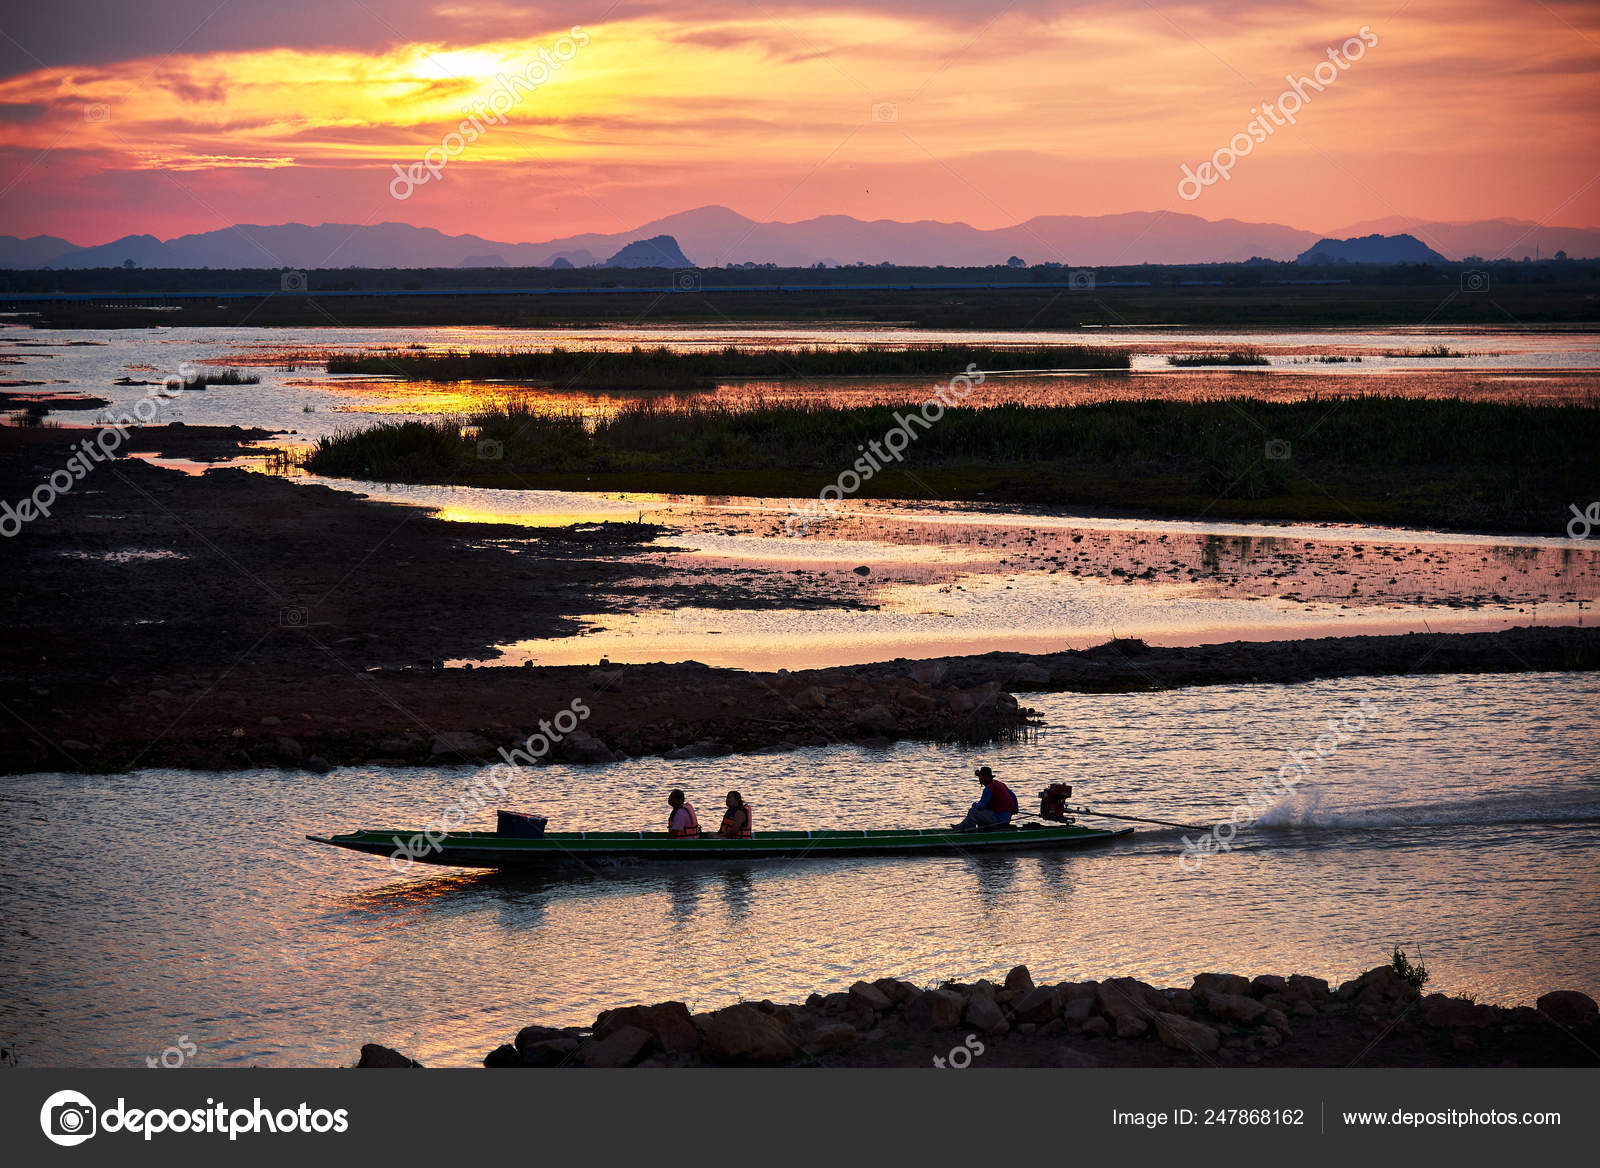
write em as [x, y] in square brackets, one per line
[1378, 1019]
[235, 620]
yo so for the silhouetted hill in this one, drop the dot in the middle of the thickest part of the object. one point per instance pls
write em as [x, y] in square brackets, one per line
[1371, 249]
[659, 251]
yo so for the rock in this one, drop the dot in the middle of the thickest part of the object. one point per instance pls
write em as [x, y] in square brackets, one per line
[1182, 1033]
[862, 570]
[460, 743]
[826, 1037]
[1567, 1007]
[1117, 996]
[1027, 1027]
[898, 992]
[1131, 1026]
[1442, 1011]
[810, 698]
[870, 996]
[668, 1023]
[929, 672]
[1054, 1026]
[743, 1036]
[1269, 1036]
[1219, 983]
[289, 749]
[269, 720]
[1077, 1011]
[72, 745]
[398, 746]
[1029, 675]
[1310, 989]
[1268, 983]
[1378, 988]
[551, 1052]
[966, 701]
[934, 1010]
[1019, 980]
[1072, 990]
[986, 1017]
[584, 749]
[378, 1057]
[531, 1034]
[1234, 1008]
[500, 1056]
[624, 1046]
[983, 988]
[1463, 1043]
[1276, 1019]
[705, 748]
[878, 719]
[1095, 1026]
[316, 764]
[1038, 1005]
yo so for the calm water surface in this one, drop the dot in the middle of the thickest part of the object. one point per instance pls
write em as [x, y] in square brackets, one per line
[1462, 822]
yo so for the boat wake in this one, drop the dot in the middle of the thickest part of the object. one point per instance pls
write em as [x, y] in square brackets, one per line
[1314, 809]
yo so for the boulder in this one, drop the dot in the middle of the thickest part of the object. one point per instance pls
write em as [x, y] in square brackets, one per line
[501, 1056]
[1076, 1012]
[550, 1052]
[316, 764]
[928, 672]
[1234, 1008]
[966, 701]
[668, 1023]
[1276, 1019]
[877, 719]
[1095, 1026]
[986, 1017]
[375, 1057]
[1219, 983]
[1019, 980]
[1182, 1033]
[810, 698]
[1378, 989]
[288, 748]
[869, 996]
[1131, 1026]
[898, 992]
[585, 749]
[531, 1034]
[1439, 1010]
[824, 1037]
[460, 743]
[1038, 1005]
[623, 1047]
[1117, 996]
[743, 1036]
[1268, 983]
[934, 1010]
[1567, 1007]
[1072, 990]
[1309, 989]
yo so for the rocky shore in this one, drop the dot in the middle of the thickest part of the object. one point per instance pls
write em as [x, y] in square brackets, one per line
[1225, 1020]
[234, 621]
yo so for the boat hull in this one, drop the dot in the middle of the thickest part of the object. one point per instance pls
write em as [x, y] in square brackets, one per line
[483, 849]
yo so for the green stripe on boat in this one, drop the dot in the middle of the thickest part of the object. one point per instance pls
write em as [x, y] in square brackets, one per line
[487, 849]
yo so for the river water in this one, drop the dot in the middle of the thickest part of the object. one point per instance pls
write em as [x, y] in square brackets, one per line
[1460, 818]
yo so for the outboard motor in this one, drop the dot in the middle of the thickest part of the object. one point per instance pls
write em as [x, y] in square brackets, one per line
[1053, 802]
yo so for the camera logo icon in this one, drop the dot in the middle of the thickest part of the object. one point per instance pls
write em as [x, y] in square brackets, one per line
[1080, 278]
[97, 111]
[885, 111]
[1476, 280]
[1277, 449]
[688, 281]
[68, 1118]
[491, 449]
[294, 616]
[292, 282]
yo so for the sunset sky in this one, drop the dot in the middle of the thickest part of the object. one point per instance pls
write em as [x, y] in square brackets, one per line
[187, 115]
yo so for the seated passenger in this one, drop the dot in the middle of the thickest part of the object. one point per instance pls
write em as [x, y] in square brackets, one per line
[736, 820]
[682, 823]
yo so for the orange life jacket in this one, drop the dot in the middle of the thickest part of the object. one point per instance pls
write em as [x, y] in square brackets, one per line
[727, 824]
[689, 831]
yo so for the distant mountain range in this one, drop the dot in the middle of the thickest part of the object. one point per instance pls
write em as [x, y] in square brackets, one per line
[716, 236]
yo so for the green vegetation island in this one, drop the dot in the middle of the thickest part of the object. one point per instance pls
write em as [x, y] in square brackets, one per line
[661, 368]
[1443, 463]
